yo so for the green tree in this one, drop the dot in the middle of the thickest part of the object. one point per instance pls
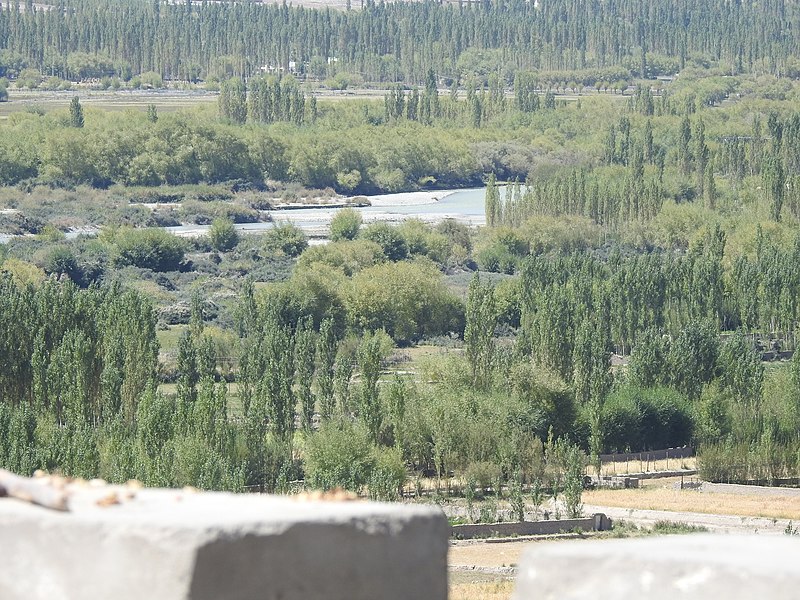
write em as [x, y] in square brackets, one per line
[481, 320]
[742, 371]
[286, 239]
[388, 238]
[693, 358]
[326, 359]
[370, 356]
[153, 248]
[152, 113]
[774, 181]
[233, 101]
[304, 347]
[75, 113]
[493, 207]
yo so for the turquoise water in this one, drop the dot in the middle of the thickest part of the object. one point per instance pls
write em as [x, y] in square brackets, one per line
[463, 203]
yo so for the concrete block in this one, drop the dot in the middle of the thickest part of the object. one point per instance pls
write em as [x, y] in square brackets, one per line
[697, 566]
[168, 545]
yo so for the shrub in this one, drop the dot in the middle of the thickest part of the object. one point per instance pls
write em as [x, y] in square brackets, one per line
[223, 235]
[388, 475]
[61, 260]
[345, 224]
[408, 299]
[347, 257]
[153, 249]
[286, 239]
[339, 455]
[389, 239]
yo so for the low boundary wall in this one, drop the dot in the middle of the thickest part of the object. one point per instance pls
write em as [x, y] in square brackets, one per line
[597, 522]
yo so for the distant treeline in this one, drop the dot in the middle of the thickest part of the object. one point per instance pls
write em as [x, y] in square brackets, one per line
[398, 41]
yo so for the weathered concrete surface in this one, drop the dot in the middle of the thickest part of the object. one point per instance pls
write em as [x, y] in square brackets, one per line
[176, 545]
[695, 566]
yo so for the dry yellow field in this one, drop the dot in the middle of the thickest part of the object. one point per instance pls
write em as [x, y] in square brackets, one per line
[479, 554]
[655, 498]
[481, 584]
[482, 590]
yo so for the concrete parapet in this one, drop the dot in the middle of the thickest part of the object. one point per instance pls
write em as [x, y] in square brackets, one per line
[694, 566]
[169, 544]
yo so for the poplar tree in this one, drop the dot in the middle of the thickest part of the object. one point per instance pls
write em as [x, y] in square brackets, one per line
[75, 113]
[481, 317]
[492, 208]
[304, 347]
[326, 359]
[370, 356]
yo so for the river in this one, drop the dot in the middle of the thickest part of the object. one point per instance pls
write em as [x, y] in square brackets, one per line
[466, 206]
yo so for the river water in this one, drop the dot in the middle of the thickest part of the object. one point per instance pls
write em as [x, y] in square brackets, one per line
[466, 206]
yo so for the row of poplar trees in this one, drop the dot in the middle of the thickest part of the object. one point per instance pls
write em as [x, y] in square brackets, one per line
[401, 41]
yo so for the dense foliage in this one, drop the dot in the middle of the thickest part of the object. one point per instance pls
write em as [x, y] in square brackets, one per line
[641, 247]
[397, 41]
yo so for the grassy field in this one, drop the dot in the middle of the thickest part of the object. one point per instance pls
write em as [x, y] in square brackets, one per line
[164, 100]
[661, 498]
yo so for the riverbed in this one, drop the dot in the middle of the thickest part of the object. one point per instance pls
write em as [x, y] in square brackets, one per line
[465, 206]
[432, 207]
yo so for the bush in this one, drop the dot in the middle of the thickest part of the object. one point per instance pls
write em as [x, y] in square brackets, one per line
[408, 299]
[339, 455]
[483, 475]
[547, 404]
[223, 235]
[345, 224]
[286, 239]
[389, 239]
[61, 260]
[153, 249]
[388, 475]
[347, 257]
